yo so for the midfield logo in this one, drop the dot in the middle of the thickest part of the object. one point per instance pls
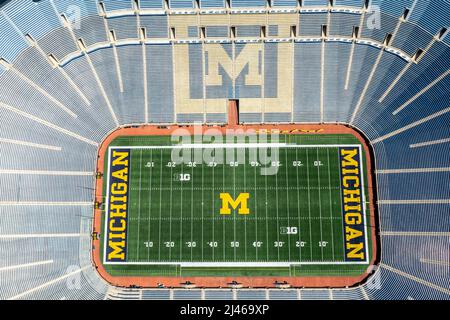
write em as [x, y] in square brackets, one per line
[241, 200]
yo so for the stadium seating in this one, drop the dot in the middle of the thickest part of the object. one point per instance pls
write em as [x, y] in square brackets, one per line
[59, 98]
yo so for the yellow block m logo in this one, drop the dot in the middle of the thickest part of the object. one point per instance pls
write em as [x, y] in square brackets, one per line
[241, 200]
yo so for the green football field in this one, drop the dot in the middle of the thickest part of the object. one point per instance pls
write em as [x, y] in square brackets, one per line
[294, 224]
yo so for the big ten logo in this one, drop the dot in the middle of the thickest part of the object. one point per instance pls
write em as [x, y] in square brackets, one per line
[234, 148]
[73, 281]
[373, 17]
[73, 15]
[241, 201]
[374, 281]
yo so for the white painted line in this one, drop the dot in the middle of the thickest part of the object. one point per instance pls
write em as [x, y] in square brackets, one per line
[49, 283]
[412, 125]
[40, 235]
[237, 145]
[236, 264]
[49, 173]
[47, 124]
[26, 265]
[30, 144]
[416, 201]
[418, 170]
[424, 90]
[429, 143]
[413, 278]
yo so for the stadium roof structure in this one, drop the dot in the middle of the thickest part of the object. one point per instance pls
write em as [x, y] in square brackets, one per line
[72, 72]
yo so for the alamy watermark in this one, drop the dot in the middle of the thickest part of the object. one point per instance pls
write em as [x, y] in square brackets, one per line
[233, 147]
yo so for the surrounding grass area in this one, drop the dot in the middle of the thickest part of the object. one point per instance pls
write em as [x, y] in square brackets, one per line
[177, 220]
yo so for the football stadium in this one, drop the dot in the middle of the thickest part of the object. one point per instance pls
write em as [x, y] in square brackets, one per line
[225, 149]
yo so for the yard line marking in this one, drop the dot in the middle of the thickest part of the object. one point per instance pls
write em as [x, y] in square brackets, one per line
[223, 219]
[150, 202]
[415, 170]
[416, 279]
[181, 214]
[30, 144]
[320, 202]
[139, 206]
[298, 209]
[160, 207]
[309, 206]
[278, 225]
[411, 125]
[428, 143]
[230, 187]
[234, 216]
[287, 202]
[49, 283]
[245, 217]
[202, 210]
[415, 201]
[170, 210]
[240, 146]
[331, 204]
[26, 265]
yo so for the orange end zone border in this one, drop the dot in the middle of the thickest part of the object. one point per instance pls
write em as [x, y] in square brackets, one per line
[245, 282]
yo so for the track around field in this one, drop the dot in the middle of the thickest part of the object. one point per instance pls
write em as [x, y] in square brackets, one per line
[223, 282]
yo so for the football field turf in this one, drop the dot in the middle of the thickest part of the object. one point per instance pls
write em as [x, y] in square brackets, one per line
[223, 216]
